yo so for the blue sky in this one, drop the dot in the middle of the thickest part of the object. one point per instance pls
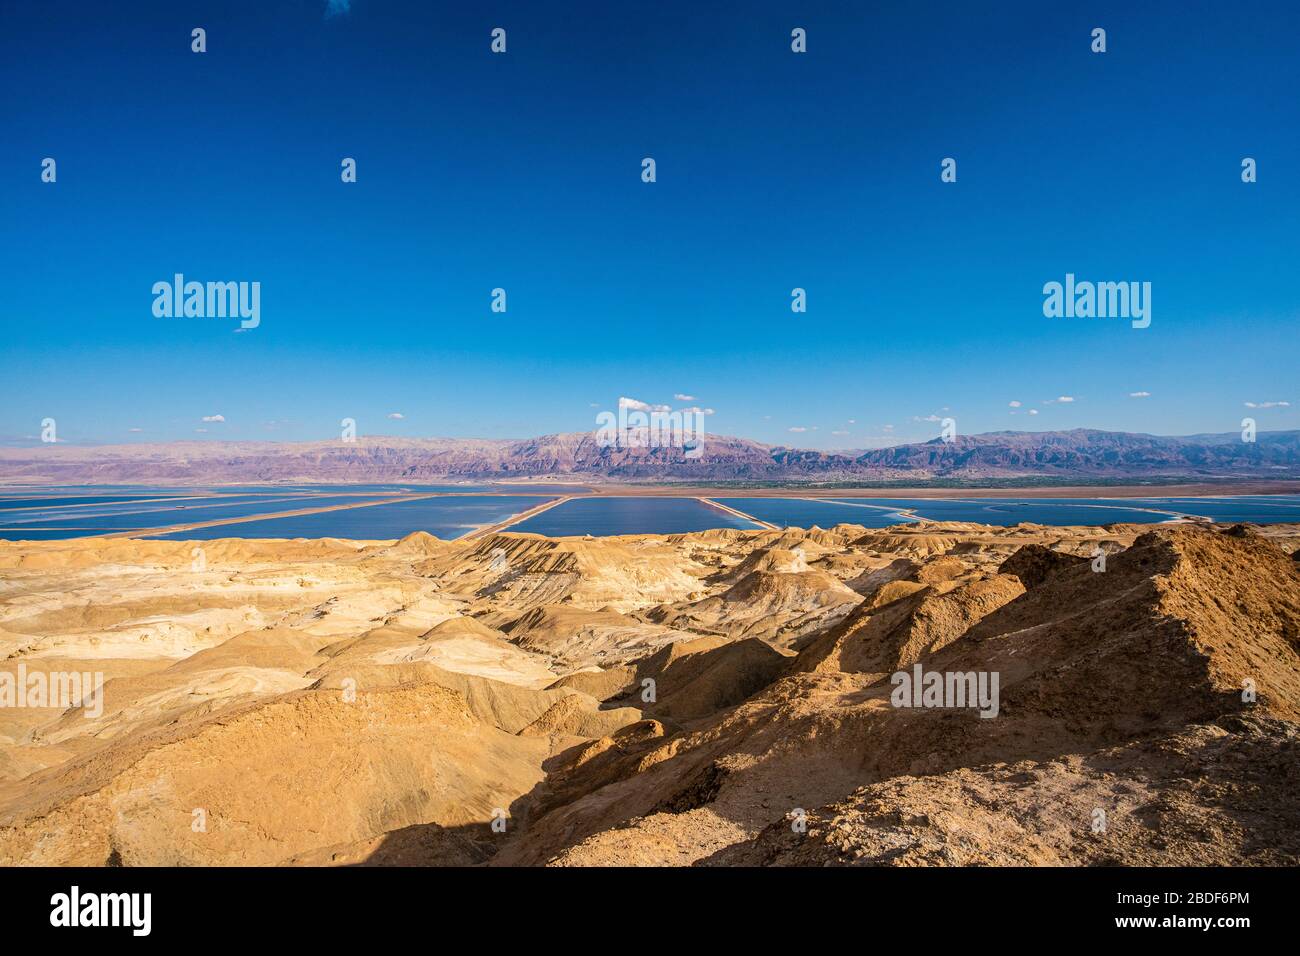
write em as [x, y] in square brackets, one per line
[775, 170]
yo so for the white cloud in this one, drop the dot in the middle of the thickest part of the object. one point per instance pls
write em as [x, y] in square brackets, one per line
[927, 418]
[696, 410]
[1033, 411]
[1063, 399]
[1268, 404]
[1013, 404]
[396, 415]
[201, 431]
[839, 433]
[684, 398]
[1139, 394]
[853, 421]
[135, 429]
[632, 403]
[797, 428]
[214, 418]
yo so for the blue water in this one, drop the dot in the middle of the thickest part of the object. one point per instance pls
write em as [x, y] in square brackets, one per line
[608, 516]
[125, 492]
[1094, 511]
[74, 512]
[211, 509]
[323, 489]
[1258, 509]
[445, 518]
[35, 501]
[44, 534]
[99, 491]
[1006, 512]
[145, 506]
[425, 489]
[806, 512]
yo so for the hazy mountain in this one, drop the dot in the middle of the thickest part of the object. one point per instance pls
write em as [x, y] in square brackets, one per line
[1077, 454]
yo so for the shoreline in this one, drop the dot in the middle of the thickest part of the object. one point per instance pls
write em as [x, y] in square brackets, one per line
[192, 519]
[1186, 490]
[705, 490]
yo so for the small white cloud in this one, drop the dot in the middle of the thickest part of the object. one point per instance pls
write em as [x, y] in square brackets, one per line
[135, 429]
[1033, 411]
[201, 431]
[797, 428]
[927, 418]
[1013, 404]
[684, 398]
[214, 418]
[853, 421]
[1268, 404]
[640, 406]
[839, 433]
[1063, 399]
[1139, 394]
[888, 428]
[396, 416]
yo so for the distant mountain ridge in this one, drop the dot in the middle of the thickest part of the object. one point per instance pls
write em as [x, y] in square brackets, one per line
[1077, 454]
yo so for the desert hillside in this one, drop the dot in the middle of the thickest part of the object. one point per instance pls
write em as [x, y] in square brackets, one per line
[1081, 453]
[718, 698]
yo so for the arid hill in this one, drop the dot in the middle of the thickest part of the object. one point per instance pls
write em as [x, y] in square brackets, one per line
[1082, 454]
[720, 698]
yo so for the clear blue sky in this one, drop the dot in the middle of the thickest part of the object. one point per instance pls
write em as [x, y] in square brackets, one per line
[522, 170]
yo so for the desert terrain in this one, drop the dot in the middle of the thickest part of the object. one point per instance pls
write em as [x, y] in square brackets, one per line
[710, 699]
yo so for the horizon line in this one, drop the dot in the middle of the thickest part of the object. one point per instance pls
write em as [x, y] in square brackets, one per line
[33, 442]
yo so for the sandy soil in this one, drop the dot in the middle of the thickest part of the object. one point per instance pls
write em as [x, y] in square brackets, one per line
[718, 698]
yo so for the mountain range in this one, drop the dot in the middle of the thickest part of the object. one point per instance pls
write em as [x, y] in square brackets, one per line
[1080, 454]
